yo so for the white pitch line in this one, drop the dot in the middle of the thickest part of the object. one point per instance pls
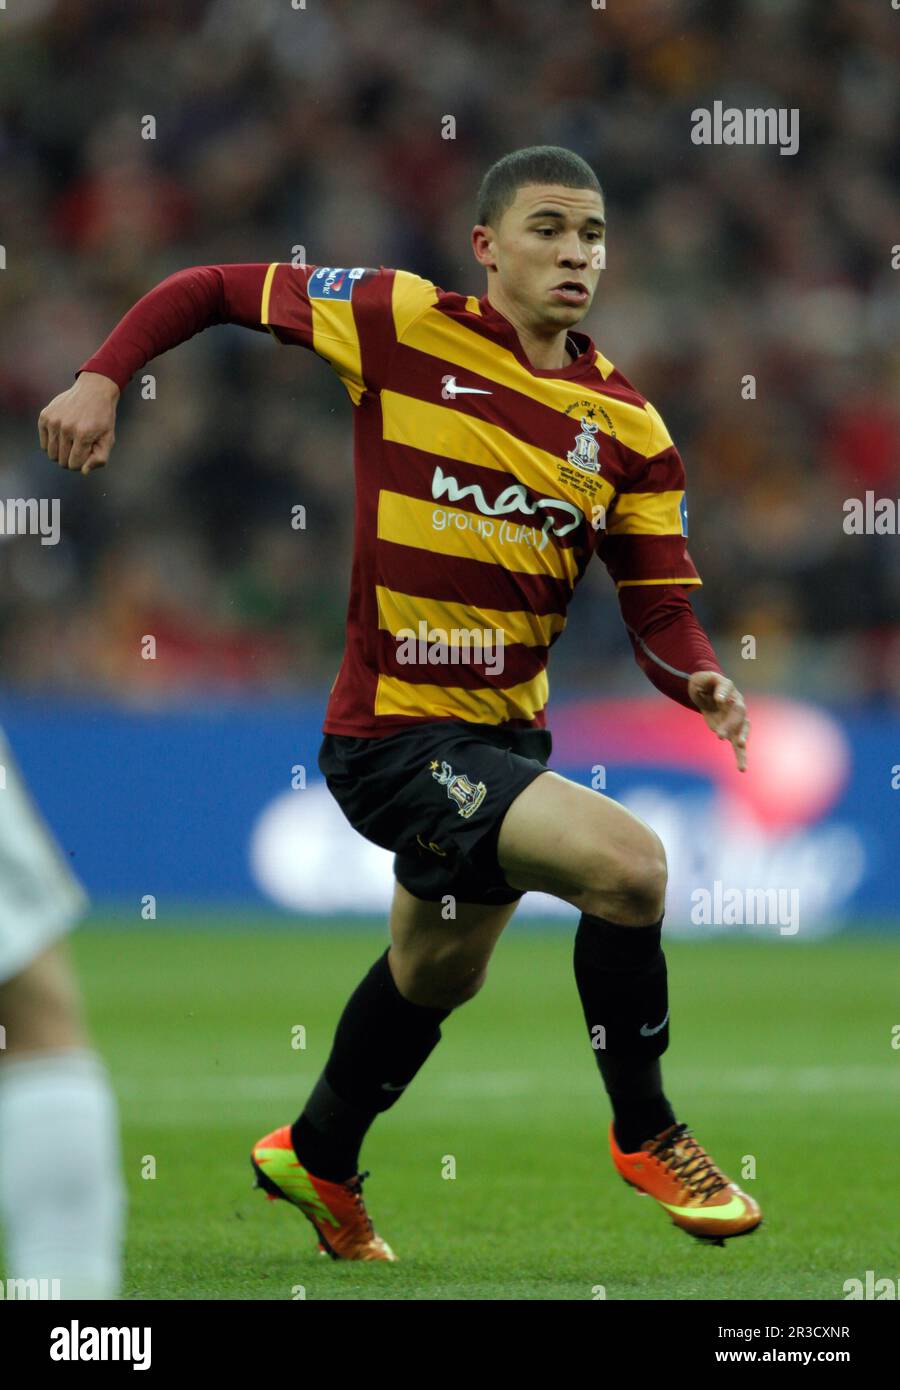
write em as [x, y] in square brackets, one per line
[185, 1090]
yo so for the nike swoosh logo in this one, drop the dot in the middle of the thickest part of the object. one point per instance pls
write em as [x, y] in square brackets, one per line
[386, 1086]
[450, 390]
[648, 1032]
[731, 1209]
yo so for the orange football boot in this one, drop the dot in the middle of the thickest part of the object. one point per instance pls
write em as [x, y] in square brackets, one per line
[335, 1209]
[683, 1178]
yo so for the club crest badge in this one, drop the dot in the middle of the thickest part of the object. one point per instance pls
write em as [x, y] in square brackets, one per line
[584, 454]
[467, 794]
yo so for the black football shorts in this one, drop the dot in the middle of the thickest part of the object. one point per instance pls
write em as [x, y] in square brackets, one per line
[436, 795]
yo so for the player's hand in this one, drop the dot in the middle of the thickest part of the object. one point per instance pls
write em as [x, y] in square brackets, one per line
[77, 428]
[722, 706]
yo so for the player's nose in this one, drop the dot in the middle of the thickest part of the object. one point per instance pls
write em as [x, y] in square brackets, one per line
[573, 253]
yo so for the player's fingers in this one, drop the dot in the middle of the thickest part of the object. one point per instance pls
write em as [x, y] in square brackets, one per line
[713, 696]
[66, 441]
[43, 432]
[84, 451]
[729, 722]
[53, 441]
[724, 692]
[80, 453]
[739, 743]
[734, 718]
[100, 451]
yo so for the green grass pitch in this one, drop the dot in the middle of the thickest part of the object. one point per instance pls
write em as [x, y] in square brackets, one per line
[780, 1050]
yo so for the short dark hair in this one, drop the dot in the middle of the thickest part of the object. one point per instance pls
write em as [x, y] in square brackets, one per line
[538, 164]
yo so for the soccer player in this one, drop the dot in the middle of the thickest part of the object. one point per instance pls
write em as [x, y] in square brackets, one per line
[62, 1199]
[495, 451]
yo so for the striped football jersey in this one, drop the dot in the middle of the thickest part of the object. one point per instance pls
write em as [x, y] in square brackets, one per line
[483, 487]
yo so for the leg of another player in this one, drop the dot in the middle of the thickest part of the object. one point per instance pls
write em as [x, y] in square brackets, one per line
[391, 1024]
[561, 838]
[61, 1191]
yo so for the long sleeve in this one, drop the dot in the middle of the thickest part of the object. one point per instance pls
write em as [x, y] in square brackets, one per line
[645, 550]
[176, 309]
[669, 643]
[347, 316]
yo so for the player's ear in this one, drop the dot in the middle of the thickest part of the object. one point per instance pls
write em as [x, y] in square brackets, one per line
[483, 246]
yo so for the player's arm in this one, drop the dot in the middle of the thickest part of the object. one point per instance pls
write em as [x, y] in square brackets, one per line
[77, 428]
[675, 653]
[644, 549]
[347, 321]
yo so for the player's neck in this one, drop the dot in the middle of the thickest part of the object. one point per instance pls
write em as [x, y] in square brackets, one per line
[546, 352]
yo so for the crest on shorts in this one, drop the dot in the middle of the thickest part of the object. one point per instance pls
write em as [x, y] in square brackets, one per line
[467, 794]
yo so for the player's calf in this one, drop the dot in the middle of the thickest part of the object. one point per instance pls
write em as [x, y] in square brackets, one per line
[561, 838]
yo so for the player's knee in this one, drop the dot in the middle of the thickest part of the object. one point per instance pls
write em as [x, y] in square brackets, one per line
[466, 987]
[443, 985]
[634, 886]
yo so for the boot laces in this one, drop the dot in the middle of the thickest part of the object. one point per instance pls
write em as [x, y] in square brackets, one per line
[691, 1163]
[354, 1186]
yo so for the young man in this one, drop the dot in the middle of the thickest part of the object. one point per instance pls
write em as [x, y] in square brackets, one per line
[496, 449]
[62, 1198]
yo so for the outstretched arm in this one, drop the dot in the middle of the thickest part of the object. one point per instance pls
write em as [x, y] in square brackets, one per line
[77, 428]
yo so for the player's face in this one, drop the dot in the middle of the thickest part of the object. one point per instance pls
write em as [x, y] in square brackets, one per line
[547, 250]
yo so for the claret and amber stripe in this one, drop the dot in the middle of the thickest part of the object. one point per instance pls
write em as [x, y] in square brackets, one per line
[483, 706]
[471, 517]
[455, 346]
[397, 611]
[645, 514]
[474, 583]
[493, 540]
[483, 484]
[466, 664]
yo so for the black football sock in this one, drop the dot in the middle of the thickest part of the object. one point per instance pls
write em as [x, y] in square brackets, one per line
[381, 1041]
[621, 976]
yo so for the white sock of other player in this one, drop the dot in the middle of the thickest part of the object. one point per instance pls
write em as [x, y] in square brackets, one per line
[62, 1196]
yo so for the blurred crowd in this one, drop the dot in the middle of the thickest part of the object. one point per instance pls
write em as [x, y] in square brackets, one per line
[280, 125]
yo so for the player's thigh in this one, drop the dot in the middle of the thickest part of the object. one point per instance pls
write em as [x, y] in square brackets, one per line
[40, 1007]
[561, 838]
[438, 960]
